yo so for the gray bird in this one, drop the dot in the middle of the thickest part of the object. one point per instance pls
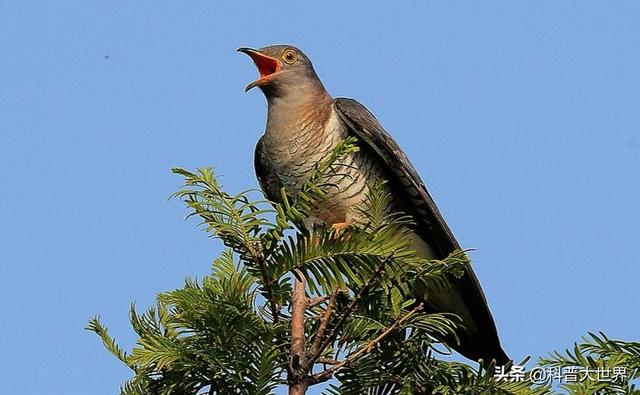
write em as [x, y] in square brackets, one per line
[304, 124]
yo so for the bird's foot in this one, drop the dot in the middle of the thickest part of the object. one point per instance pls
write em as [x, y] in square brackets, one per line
[339, 228]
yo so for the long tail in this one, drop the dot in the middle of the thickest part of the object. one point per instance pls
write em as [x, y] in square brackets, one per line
[477, 334]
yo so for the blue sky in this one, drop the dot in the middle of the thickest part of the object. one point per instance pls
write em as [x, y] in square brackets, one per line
[523, 119]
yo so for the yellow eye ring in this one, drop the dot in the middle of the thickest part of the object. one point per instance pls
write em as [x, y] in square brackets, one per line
[290, 56]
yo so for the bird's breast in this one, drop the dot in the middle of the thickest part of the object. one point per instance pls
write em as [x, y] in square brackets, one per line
[300, 145]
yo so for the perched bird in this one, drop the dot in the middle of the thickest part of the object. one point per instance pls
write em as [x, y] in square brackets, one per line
[304, 124]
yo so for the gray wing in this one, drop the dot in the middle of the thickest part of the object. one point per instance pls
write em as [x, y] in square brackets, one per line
[267, 177]
[430, 223]
[430, 226]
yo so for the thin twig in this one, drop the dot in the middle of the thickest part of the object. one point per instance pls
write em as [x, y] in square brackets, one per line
[267, 282]
[275, 311]
[345, 314]
[313, 302]
[326, 374]
[324, 323]
[328, 361]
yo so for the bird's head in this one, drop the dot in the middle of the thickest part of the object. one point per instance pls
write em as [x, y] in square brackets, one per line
[283, 69]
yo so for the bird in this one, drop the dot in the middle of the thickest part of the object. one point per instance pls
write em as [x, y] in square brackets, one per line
[304, 124]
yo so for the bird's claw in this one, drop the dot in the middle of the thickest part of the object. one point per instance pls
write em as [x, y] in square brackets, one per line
[338, 228]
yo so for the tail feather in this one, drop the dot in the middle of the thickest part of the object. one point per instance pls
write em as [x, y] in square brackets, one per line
[477, 337]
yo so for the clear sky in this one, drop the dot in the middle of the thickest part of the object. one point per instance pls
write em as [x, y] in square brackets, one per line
[522, 118]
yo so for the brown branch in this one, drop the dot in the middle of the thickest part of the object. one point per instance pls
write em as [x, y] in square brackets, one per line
[300, 387]
[328, 361]
[327, 373]
[297, 374]
[345, 314]
[299, 306]
[324, 323]
[313, 302]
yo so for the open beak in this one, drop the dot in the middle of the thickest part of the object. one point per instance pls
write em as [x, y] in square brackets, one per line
[267, 66]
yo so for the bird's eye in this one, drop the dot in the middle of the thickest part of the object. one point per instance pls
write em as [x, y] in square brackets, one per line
[290, 56]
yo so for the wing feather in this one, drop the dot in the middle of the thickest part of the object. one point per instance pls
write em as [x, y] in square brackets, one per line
[265, 172]
[429, 219]
[481, 341]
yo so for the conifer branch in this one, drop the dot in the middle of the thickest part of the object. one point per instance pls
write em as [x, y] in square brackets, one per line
[273, 306]
[298, 308]
[218, 334]
[328, 361]
[350, 308]
[267, 283]
[328, 373]
[324, 323]
[297, 375]
[313, 302]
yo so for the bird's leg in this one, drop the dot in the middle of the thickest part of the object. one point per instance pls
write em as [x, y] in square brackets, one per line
[339, 226]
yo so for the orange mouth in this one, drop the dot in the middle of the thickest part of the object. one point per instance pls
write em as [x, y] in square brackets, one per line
[266, 65]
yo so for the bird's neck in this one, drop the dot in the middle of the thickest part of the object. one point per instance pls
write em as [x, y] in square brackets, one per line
[292, 116]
